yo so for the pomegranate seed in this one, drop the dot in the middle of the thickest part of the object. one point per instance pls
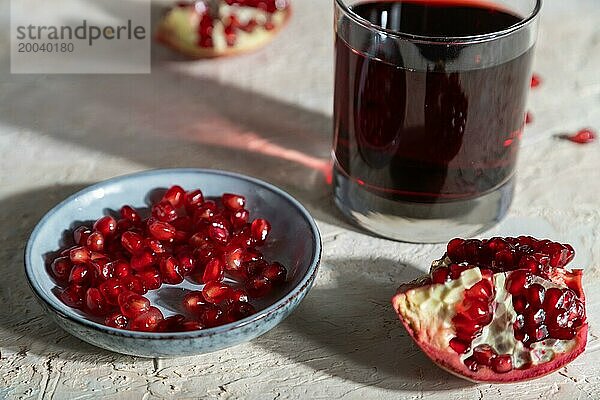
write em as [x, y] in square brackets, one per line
[505, 259]
[111, 290]
[170, 271]
[260, 230]
[81, 274]
[162, 230]
[123, 225]
[95, 241]
[186, 261]
[465, 328]
[552, 298]
[530, 264]
[238, 295]
[218, 233]
[134, 284]
[528, 117]
[471, 363]
[478, 310]
[215, 292]
[518, 281]
[80, 255]
[233, 259]
[233, 201]
[95, 302]
[193, 200]
[481, 290]
[81, 234]
[183, 223]
[239, 218]
[103, 269]
[106, 225]
[130, 214]
[251, 255]
[73, 296]
[67, 251]
[275, 273]
[170, 324]
[211, 315]
[132, 242]
[142, 261]
[164, 212]
[457, 269]
[255, 268]
[192, 302]
[269, 26]
[519, 304]
[175, 195]
[454, 249]
[250, 25]
[535, 295]
[132, 304]
[258, 287]
[148, 321]
[582, 136]
[484, 354]
[502, 363]
[459, 346]
[535, 80]
[150, 278]
[187, 326]
[154, 245]
[538, 333]
[213, 271]
[61, 269]
[534, 317]
[440, 275]
[239, 310]
[121, 269]
[472, 250]
[116, 320]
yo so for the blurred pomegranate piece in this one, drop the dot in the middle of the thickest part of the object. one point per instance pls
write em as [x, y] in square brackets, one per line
[213, 28]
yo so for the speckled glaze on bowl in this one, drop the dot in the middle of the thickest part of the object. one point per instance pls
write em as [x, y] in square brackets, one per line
[296, 242]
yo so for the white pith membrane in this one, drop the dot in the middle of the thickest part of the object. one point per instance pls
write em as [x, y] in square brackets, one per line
[429, 311]
[182, 23]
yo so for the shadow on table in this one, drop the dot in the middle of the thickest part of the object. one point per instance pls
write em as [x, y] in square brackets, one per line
[172, 119]
[26, 328]
[350, 331]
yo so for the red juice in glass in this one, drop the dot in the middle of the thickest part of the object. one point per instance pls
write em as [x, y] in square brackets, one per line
[429, 108]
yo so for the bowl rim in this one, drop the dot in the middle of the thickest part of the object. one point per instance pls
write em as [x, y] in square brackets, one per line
[274, 308]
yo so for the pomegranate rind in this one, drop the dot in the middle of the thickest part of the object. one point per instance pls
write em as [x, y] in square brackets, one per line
[450, 361]
[167, 34]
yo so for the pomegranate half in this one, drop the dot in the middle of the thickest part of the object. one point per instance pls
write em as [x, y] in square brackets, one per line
[498, 310]
[212, 28]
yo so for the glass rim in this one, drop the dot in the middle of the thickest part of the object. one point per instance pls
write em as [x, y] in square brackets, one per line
[442, 39]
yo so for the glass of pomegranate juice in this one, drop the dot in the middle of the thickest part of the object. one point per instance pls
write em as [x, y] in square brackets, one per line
[429, 110]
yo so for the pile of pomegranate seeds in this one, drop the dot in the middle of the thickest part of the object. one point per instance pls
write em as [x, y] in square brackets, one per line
[116, 261]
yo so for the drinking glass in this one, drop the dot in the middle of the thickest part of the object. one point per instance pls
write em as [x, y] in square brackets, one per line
[429, 109]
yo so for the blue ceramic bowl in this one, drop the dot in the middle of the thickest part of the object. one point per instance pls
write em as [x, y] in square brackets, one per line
[295, 242]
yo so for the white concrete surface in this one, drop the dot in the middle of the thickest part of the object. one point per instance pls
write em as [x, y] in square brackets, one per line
[59, 133]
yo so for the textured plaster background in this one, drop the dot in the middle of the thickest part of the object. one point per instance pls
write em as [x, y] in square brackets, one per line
[59, 133]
